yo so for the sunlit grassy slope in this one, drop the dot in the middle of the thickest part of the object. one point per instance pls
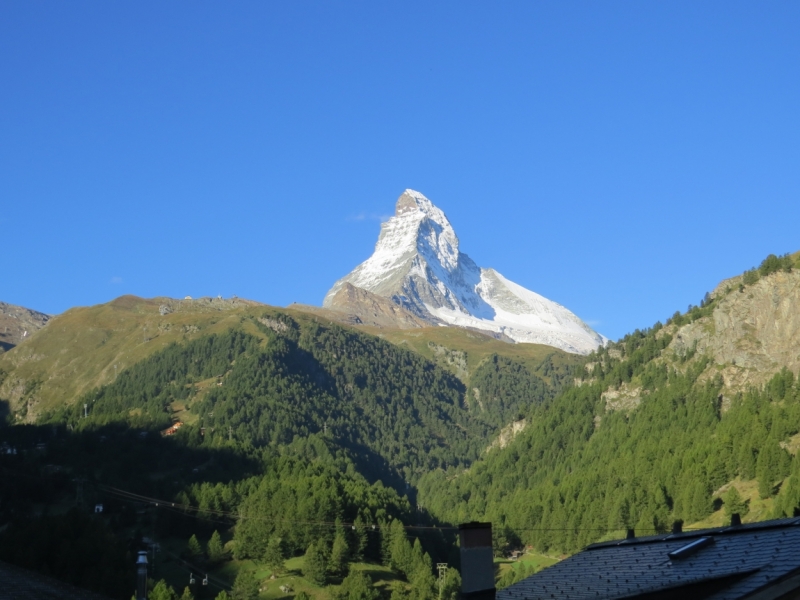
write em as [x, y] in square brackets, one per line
[84, 347]
[87, 346]
[430, 341]
[531, 563]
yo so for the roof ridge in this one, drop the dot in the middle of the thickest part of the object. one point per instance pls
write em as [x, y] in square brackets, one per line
[697, 533]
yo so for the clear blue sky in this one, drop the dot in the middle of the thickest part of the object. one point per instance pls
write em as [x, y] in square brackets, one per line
[618, 157]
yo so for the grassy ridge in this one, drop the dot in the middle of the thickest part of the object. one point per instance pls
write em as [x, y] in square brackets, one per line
[476, 346]
[79, 349]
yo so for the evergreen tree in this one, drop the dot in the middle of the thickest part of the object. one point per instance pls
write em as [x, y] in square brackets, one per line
[193, 547]
[315, 567]
[274, 556]
[340, 555]
[452, 584]
[788, 500]
[223, 595]
[187, 594]
[162, 591]
[772, 464]
[385, 539]
[399, 548]
[399, 593]
[734, 503]
[419, 558]
[245, 586]
[423, 586]
[747, 461]
[358, 537]
[500, 541]
[356, 586]
[215, 550]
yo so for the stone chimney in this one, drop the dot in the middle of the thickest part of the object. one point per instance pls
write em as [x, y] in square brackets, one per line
[477, 561]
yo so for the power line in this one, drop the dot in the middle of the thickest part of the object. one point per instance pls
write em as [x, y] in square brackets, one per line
[192, 569]
[237, 516]
[184, 508]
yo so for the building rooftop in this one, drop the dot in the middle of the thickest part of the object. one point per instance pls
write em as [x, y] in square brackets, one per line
[724, 563]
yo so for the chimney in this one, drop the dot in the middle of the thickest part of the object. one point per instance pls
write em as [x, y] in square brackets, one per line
[631, 535]
[736, 520]
[677, 527]
[141, 576]
[477, 561]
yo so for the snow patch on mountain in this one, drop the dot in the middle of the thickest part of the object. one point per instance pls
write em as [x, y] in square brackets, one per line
[417, 264]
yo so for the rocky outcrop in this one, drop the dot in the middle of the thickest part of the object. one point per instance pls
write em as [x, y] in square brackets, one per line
[367, 308]
[507, 434]
[452, 360]
[625, 398]
[753, 331]
[18, 323]
[204, 304]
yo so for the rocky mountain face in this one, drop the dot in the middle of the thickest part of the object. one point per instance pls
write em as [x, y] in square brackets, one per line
[365, 308]
[18, 323]
[747, 332]
[417, 265]
[753, 331]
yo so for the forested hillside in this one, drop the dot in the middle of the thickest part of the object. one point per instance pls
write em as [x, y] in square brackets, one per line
[334, 460]
[386, 404]
[651, 433]
[88, 347]
[288, 427]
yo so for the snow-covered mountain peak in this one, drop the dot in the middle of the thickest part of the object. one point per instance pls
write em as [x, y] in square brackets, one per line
[411, 200]
[417, 227]
[418, 265]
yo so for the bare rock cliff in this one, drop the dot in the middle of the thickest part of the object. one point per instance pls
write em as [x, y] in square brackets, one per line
[753, 331]
[17, 323]
[372, 309]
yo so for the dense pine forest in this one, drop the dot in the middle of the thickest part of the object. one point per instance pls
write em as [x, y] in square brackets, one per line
[297, 441]
[583, 471]
[590, 465]
[313, 460]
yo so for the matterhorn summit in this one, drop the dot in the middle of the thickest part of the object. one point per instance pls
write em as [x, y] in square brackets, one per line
[417, 266]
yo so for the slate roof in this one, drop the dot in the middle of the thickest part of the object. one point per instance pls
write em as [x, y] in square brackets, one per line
[20, 584]
[732, 563]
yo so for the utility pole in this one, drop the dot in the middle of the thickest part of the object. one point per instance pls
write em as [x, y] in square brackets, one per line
[442, 568]
[85, 411]
[154, 547]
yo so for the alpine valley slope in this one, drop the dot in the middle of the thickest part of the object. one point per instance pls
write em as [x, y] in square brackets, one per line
[687, 421]
[417, 264]
[88, 347]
